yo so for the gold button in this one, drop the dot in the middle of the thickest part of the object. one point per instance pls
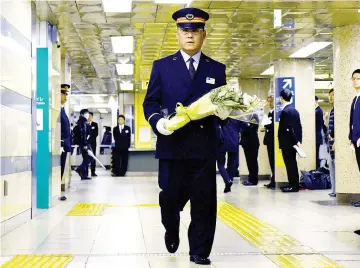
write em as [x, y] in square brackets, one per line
[201, 126]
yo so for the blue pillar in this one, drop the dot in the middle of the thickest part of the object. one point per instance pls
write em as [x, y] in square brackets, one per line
[43, 163]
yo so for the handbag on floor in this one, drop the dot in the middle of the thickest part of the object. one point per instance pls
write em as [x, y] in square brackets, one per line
[315, 180]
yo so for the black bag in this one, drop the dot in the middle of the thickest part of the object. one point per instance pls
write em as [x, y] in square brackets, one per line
[315, 180]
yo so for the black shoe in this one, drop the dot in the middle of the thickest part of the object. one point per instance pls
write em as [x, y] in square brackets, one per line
[356, 204]
[332, 194]
[172, 242]
[228, 187]
[62, 198]
[357, 232]
[248, 183]
[85, 178]
[200, 260]
[93, 175]
[270, 185]
[289, 190]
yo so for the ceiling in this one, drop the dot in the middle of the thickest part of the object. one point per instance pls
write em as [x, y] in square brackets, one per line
[240, 35]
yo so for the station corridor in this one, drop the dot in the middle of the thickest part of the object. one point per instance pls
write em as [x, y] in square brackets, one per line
[110, 222]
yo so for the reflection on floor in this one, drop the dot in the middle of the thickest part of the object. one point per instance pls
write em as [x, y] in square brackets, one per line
[110, 222]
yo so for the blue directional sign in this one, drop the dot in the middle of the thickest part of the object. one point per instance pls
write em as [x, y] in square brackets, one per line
[282, 83]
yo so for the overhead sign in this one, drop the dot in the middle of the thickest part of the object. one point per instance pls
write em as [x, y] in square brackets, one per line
[282, 83]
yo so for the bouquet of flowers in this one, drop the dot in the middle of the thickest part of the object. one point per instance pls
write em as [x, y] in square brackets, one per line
[243, 107]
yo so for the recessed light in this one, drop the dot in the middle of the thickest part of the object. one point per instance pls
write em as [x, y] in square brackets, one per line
[310, 49]
[120, 6]
[122, 44]
[125, 69]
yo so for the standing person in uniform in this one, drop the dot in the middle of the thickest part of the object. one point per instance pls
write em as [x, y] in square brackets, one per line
[354, 133]
[250, 143]
[187, 157]
[331, 142]
[122, 137]
[319, 119]
[84, 134]
[94, 132]
[269, 142]
[65, 132]
[289, 134]
[228, 135]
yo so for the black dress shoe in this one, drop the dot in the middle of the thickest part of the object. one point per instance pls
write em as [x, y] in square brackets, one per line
[62, 198]
[93, 175]
[289, 190]
[356, 204]
[249, 183]
[228, 187]
[172, 242]
[200, 260]
[270, 186]
[85, 178]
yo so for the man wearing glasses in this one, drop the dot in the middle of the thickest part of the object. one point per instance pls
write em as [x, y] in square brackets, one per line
[354, 135]
[187, 157]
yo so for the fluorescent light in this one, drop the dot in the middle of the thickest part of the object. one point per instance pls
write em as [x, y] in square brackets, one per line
[117, 5]
[128, 86]
[269, 71]
[310, 49]
[122, 44]
[188, 2]
[112, 102]
[103, 111]
[125, 69]
[277, 18]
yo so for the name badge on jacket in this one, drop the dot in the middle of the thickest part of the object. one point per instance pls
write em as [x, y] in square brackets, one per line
[210, 80]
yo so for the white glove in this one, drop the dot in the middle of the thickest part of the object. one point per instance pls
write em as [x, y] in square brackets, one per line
[62, 150]
[222, 112]
[160, 126]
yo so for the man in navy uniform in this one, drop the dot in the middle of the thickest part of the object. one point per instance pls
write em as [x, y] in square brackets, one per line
[354, 135]
[94, 132]
[187, 157]
[269, 142]
[319, 126]
[122, 138]
[289, 134]
[65, 132]
[84, 134]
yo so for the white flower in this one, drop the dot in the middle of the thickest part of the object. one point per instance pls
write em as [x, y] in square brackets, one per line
[246, 99]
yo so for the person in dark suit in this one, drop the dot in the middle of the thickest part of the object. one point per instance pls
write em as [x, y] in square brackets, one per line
[187, 157]
[289, 135]
[122, 137]
[250, 144]
[106, 138]
[319, 116]
[65, 132]
[269, 142]
[84, 133]
[354, 133]
[228, 135]
[94, 132]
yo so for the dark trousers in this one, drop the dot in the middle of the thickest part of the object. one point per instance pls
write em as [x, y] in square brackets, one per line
[63, 162]
[271, 157]
[229, 173]
[251, 155]
[122, 161]
[83, 168]
[193, 180]
[93, 162]
[289, 156]
[317, 155]
[357, 152]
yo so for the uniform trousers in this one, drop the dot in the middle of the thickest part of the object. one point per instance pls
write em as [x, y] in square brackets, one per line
[194, 180]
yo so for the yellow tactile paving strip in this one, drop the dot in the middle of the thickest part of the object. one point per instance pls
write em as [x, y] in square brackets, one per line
[277, 246]
[37, 261]
[87, 209]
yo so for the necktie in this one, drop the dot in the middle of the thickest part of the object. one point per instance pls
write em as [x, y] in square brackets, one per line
[191, 68]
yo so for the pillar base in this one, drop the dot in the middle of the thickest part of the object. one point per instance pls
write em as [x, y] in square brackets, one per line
[347, 198]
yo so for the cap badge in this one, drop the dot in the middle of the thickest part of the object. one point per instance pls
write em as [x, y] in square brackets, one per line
[189, 16]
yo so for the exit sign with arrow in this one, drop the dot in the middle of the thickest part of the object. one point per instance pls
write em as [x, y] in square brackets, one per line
[282, 83]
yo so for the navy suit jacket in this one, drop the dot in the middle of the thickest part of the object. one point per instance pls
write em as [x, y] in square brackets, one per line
[354, 134]
[65, 131]
[123, 139]
[170, 83]
[319, 115]
[249, 135]
[290, 129]
[228, 135]
[84, 131]
[269, 131]
[94, 132]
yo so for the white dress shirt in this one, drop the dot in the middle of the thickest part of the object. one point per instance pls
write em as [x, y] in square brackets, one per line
[121, 127]
[196, 58]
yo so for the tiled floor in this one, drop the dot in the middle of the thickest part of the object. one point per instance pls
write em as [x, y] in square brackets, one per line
[132, 237]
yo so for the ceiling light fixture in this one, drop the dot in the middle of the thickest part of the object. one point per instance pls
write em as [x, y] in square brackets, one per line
[269, 71]
[102, 111]
[187, 2]
[310, 49]
[125, 69]
[122, 44]
[277, 18]
[127, 86]
[121, 6]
